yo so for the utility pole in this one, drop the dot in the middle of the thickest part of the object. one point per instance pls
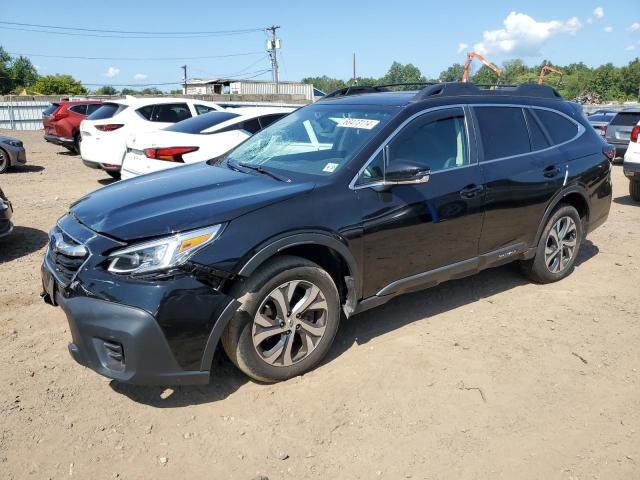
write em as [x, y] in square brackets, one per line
[354, 69]
[273, 46]
[184, 79]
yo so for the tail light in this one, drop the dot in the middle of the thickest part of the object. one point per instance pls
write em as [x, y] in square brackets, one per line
[170, 154]
[110, 127]
[609, 152]
[634, 133]
[602, 130]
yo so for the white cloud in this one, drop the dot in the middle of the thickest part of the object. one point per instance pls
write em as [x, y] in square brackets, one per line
[629, 48]
[598, 12]
[608, 29]
[140, 76]
[635, 26]
[462, 47]
[112, 72]
[523, 36]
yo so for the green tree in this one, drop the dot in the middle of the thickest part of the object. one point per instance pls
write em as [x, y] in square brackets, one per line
[514, 69]
[106, 90]
[485, 76]
[129, 91]
[452, 74]
[606, 82]
[325, 83]
[23, 72]
[6, 77]
[399, 73]
[59, 85]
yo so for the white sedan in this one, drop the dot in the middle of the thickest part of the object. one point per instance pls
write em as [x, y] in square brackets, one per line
[104, 133]
[196, 139]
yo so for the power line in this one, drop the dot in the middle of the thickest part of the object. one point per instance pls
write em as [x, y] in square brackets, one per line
[137, 59]
[137, 32]
[145, 37]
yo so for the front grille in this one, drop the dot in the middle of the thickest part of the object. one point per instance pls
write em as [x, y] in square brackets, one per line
[64, 266]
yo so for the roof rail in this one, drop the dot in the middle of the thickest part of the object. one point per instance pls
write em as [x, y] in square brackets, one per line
[446, 89]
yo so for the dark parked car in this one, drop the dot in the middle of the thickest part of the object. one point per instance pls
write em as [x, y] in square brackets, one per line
[12, 153]
[6, 211]
[619, 129]
[335, 209]
[61, 122]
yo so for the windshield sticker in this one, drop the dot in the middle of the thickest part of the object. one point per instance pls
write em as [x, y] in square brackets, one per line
[365, 123]
[330, 167]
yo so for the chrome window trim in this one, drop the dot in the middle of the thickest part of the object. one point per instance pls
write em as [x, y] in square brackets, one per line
[581, 130]
[352, 184]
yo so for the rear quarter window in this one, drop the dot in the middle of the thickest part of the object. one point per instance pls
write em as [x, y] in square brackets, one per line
[503, 131]
[559, 128]
[626, 119]
[80, 109]
[106, 110]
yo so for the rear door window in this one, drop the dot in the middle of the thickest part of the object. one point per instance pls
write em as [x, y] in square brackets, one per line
[80, 109]
[92, 107]
[202, 109]
[503, 131]
[107, 110]
[626, 119]
[559, 128]
[167, 112]
[538, 138]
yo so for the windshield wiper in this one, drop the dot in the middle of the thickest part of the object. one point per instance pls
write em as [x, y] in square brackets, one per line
[262, 170]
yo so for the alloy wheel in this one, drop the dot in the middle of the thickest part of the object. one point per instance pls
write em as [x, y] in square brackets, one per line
[561, 244]
[3, 161]
[290, 323]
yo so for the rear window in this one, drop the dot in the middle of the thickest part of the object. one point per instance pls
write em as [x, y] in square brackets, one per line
[106, 110]
[600, 117]
[503, 131]
[50, 109]
[81, 109]
[166, 112]
[201, 122]
[202, 109]
[626, 119]
[559, 128]
[92, 107]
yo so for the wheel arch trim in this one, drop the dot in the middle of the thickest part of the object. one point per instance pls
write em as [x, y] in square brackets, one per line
[580, 190]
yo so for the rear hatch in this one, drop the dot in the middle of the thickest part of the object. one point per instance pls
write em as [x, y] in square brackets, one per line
[47, 118]
[619, 130]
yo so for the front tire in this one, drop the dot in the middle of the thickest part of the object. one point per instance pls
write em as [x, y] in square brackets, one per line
[634, 190]
[114, 174]
[558, 247]
[288, 318]
[5, 162]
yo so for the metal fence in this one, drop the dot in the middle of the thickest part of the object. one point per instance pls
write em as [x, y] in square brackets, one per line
[25, 113]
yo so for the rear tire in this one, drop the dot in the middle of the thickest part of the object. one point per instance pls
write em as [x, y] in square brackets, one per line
[288, 318]
[558, 247]
[76, 142]
[634, 190]
[114, 174]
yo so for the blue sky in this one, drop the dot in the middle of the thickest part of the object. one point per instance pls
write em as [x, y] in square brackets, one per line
[319, 38]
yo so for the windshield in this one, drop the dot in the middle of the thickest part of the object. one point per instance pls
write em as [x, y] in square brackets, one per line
[316, 140]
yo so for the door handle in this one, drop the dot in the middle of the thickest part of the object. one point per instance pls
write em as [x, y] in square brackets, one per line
[471, 191]
[551, 171]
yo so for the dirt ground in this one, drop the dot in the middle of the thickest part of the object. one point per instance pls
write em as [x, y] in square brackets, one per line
[486, 377]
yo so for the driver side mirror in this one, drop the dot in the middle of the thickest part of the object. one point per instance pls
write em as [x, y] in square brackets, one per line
[402, 172]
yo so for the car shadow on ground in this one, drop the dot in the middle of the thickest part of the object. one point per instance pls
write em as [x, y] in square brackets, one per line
[16, 169]
[107, 181]
[360, 329]
[68, 153]
[21, 242]
[626, 200]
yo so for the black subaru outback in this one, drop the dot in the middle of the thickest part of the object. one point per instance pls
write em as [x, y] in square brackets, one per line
[337, 208]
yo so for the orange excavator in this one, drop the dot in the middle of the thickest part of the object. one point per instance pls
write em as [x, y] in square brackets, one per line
[549, 68]
[471, 56]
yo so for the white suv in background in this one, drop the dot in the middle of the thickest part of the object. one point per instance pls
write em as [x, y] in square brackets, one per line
[104, 133]
[631, 165]
[196, 139]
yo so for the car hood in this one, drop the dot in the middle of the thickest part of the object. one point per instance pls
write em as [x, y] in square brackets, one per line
[178, 199]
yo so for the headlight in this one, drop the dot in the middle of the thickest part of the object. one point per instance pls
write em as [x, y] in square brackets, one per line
[161, 254]
[13, 143]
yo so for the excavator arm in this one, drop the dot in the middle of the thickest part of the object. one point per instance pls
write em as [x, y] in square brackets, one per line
[549, 68]
[467, 65]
